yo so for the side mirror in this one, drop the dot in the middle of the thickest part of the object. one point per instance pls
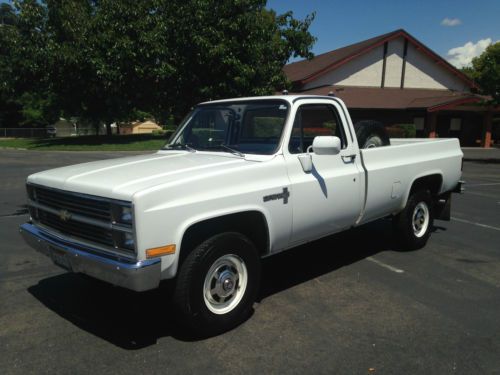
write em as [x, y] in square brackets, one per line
[326, 145]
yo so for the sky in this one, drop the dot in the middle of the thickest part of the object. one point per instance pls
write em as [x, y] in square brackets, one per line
[457, 30]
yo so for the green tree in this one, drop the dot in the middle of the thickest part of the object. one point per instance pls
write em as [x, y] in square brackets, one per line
[25, 94]
[108, 60]
[7, 15]
[232, 48]
[485, 70]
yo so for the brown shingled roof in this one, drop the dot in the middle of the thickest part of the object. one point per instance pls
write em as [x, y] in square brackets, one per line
[303, 71]
[395, 98]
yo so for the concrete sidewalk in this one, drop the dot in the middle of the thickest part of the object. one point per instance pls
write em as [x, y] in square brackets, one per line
[482, 154]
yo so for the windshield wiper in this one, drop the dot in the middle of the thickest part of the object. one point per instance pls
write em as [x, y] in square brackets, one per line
[232, 150]
[182, 146]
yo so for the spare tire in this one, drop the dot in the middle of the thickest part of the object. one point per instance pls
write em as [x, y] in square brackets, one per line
[371, 134]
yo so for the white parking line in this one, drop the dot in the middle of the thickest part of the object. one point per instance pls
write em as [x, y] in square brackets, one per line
[474, 223]
[488, 184]
[382, 264]
[8, 216]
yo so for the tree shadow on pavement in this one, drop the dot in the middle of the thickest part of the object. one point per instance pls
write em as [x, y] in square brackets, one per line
[133, 320]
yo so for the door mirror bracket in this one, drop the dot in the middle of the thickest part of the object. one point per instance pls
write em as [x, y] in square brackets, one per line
[306, 162]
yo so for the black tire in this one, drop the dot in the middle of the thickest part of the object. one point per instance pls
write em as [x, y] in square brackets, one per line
[194, 308]
[371, 134]
[413, 225]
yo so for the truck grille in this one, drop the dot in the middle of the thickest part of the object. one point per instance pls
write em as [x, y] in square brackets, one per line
[60, 200]
[78, 215]
[76, 229]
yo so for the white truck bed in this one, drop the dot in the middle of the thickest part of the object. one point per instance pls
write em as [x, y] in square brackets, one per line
[391, 170]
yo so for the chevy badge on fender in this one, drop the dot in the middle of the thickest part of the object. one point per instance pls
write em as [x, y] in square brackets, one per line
[285, 195]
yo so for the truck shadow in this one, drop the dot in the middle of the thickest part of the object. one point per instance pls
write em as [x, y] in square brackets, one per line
[133, 320]
[307, 262]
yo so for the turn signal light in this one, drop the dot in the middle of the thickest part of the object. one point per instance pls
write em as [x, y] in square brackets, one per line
[160, 251]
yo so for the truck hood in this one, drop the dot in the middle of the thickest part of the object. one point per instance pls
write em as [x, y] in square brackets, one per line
[121, 178]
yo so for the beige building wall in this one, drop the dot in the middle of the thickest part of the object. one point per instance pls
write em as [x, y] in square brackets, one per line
[424, 73]
[365, 70]
[394, 63]
[421, 71]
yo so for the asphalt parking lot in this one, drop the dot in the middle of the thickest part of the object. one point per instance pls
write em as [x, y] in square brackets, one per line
[348, 304]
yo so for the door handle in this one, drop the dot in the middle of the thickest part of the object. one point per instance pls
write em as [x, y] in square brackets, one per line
[348, 158]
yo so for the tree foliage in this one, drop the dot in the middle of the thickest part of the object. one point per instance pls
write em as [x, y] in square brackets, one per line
[485, 70]
[105, 60]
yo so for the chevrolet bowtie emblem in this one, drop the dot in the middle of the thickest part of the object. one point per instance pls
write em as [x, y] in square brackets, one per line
[64, 215]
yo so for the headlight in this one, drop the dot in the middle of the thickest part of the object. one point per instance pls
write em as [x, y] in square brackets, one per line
[126, 215]
[124, 240]
[122, 214]
[122, 218]
[128, 240]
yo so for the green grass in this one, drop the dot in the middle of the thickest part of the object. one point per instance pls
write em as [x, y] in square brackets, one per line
[136, 142]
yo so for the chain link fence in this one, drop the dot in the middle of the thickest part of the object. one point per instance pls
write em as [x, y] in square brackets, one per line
[23, 133]
[46, 132]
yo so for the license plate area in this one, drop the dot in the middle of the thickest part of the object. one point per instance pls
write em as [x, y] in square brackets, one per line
[59, 257]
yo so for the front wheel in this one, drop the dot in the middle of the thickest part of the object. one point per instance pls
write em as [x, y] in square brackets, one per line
[218, 283]
[413, 225]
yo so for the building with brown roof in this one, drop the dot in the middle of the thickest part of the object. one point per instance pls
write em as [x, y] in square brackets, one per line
[395, 79]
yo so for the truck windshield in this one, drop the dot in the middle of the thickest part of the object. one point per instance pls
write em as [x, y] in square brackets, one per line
[243, 127]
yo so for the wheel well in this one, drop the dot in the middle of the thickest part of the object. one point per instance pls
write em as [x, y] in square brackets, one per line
[252, 224]
[432, 182]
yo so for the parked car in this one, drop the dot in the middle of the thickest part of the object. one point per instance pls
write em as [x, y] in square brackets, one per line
[241, 179]
[51, 131]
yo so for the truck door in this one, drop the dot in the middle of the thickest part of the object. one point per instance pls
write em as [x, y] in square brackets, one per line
[329, 198]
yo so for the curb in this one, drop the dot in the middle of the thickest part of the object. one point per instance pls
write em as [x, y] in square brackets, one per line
[484, 160]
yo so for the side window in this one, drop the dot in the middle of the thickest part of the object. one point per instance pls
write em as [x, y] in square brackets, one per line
[313, 120]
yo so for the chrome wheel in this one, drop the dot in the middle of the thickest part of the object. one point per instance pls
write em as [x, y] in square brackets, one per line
[373, 141]
[225, 284]
[420, 219]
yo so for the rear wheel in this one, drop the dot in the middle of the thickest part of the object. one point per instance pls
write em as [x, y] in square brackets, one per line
[371, 134]
[217, 284]
[413, 225]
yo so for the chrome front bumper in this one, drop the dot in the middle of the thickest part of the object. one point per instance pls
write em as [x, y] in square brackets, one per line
[134, 275]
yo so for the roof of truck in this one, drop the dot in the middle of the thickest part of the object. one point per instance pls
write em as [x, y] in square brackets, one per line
[288, 98]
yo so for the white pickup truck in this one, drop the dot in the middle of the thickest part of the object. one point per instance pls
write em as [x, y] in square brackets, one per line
[240, 179]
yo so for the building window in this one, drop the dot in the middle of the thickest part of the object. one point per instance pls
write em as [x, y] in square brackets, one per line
[456, 124]
[419, 123]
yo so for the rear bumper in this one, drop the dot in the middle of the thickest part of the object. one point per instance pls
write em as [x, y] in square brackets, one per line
[460, 187]
[134, 275]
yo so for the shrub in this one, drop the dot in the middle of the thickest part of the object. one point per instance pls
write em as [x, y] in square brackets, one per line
[170, 128]
[402, 131]
[159, 132]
